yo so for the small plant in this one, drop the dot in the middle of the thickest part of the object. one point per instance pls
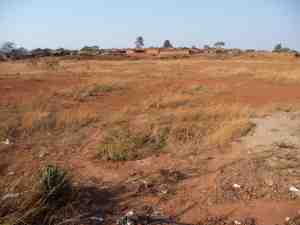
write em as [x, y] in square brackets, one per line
[55, 186]
[40, 206]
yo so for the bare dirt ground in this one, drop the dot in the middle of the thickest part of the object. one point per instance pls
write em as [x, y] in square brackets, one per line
[219, 137]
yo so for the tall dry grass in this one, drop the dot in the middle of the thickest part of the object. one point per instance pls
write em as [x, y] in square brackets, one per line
[74, 118]
[191, 121]
[41, 115]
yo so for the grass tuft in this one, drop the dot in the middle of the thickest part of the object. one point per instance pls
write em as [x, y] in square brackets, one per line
[93, 90]
[55, 186]
[40, 206]
[120, 144]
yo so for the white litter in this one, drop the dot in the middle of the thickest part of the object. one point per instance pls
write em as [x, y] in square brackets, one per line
[236, 186]
[236, 222]
[99, 219]
[295, 190]
[130, 213]
[6, 142]
[10, 196]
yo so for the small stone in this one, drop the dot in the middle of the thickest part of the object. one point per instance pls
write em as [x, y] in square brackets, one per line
[236, 222]
[11, 173]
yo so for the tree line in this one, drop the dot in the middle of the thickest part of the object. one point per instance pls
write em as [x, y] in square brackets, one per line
[11, 47]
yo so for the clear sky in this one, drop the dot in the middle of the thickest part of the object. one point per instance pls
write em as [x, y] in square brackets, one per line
[256, 24]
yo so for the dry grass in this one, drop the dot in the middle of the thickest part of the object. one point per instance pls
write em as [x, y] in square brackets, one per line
[212, 125]
[90, 89]
[41, 116]
[74, 118]
[187, 123]
[50, 192]
[173, 106]
[122, 143]
[228, 131]
[287, 76]
[167, 100]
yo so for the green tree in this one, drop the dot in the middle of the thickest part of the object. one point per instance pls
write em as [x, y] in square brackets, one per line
[8, 47]
[277, 48]
[167, 44]
[139, 43]
[219, 44]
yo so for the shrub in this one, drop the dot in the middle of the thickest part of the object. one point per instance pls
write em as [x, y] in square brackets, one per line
[55, 186]
[40, 206]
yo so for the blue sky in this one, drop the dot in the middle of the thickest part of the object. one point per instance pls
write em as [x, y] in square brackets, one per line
[256, 24]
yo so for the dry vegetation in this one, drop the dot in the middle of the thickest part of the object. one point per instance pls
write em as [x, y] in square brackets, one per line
[119, 113]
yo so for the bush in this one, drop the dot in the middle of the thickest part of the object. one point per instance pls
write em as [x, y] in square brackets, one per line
[40, 206]
[55, 186]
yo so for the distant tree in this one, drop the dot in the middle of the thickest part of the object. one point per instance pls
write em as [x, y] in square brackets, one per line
[280, 48]
[206, 47]
[167, 44]
[219, 44]
[139, 43]
[8, 46]
[277, 48]
[19, 53]
[194, 47]
[90, 48]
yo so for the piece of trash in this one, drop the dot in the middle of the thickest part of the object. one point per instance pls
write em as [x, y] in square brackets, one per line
[6, 142]
[236, 222]
[236, 186]
[295, 190]
[287, 219]
[10, 195]
[132, 218]
[99, 219]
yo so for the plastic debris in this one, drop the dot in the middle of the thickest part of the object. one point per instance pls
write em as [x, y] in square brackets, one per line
[236, 186]
[236, 222]
[6, 142]
[295, 190]
[131, 218]
[99, 219]
[10, 196]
